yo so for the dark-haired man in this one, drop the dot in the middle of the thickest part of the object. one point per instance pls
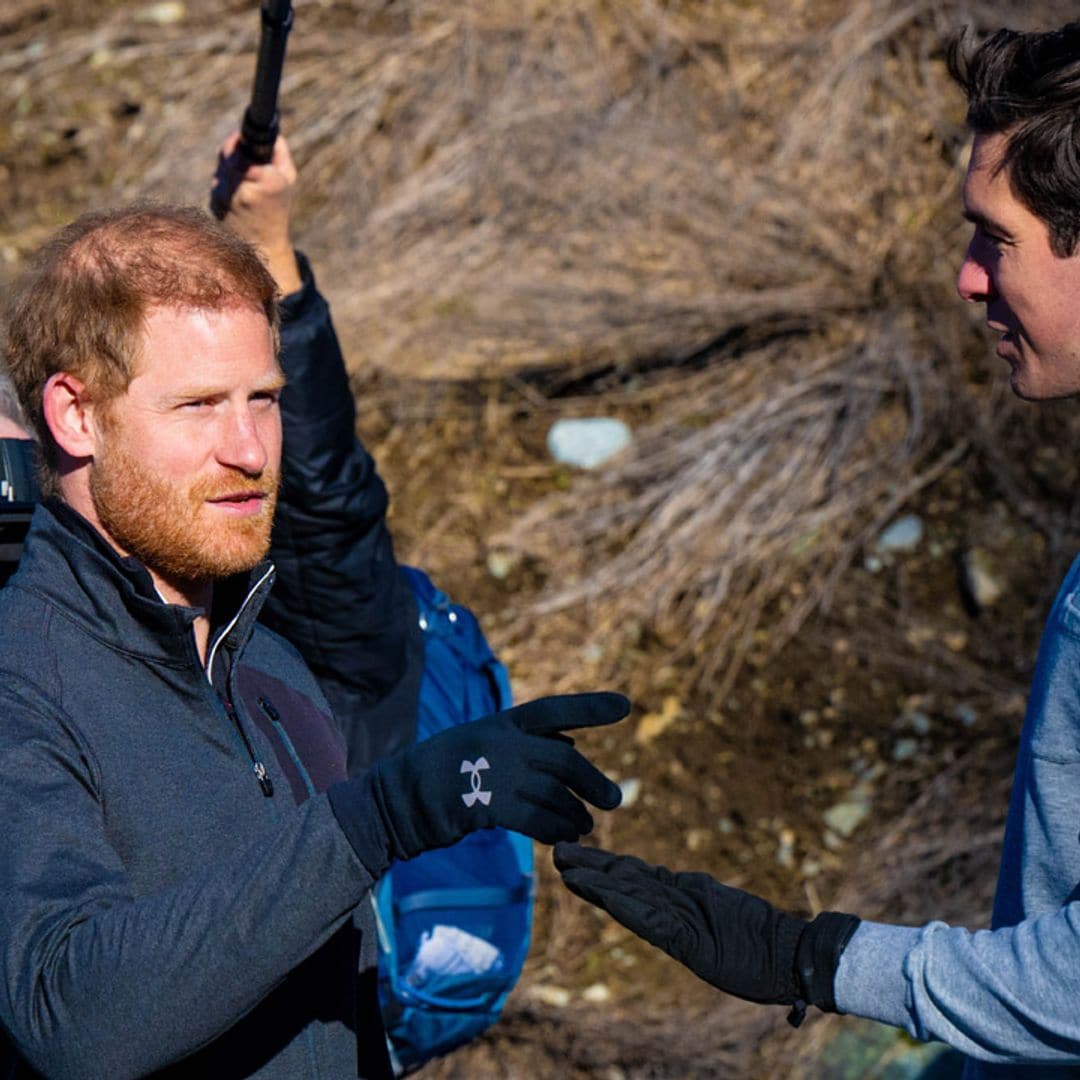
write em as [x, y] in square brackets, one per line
[1009, 997]
[185, 866]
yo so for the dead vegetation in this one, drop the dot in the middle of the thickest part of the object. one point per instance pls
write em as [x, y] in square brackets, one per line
[733, 224]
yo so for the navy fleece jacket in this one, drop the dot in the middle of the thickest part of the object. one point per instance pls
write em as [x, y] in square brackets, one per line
[160, 907]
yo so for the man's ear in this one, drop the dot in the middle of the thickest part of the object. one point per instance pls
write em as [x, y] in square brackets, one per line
[69, 415]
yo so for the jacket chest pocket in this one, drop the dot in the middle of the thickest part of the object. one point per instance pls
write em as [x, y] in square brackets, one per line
[308, 748]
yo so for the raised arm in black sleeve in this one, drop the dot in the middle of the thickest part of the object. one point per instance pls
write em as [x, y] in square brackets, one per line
[339, 596]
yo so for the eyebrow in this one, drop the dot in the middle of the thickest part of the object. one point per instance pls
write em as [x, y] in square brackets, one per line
[264, 386]
[987, 223]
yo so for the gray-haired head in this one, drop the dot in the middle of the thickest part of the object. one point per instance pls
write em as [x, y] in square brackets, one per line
[11, 415]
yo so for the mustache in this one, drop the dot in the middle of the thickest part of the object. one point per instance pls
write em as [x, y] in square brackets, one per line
[219, 487]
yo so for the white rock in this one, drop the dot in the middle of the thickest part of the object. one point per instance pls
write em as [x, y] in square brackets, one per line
[904, 534]
[556, 996]
[845, 817]
[162, 14]
[587, 442]
[501, 564]
[630, 789]
[598, 994]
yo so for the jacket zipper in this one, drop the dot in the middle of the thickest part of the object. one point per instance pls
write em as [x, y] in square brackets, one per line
[271, 713]
[266, 785]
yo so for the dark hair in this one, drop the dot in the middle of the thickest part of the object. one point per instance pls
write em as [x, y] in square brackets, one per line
[83, 306]
[1026, 86]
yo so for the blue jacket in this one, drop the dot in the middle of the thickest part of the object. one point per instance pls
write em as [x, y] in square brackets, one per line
[1008, 997]
[161, 906]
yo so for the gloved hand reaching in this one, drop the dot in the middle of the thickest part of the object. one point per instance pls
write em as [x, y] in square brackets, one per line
[732, 939]
[514, 769]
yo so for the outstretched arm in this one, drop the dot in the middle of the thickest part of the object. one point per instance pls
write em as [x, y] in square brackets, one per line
[1006, 996]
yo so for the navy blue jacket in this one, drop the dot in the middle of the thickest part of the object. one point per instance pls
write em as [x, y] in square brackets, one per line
[339, 596]
[160, 908]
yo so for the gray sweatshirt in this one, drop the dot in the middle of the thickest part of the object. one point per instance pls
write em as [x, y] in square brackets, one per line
[1008, 997]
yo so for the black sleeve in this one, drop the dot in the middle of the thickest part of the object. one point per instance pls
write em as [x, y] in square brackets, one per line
[339, 596]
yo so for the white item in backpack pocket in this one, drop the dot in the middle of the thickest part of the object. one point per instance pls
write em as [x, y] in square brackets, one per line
[449, 950]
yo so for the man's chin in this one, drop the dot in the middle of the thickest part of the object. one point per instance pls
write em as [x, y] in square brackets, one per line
[213, 556]
[1018, 385]
[1028, 388]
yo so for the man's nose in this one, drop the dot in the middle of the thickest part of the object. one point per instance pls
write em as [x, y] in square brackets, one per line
[973, 281]
[244, 443]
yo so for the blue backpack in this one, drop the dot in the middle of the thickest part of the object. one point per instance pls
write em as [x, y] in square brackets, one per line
[454, 924]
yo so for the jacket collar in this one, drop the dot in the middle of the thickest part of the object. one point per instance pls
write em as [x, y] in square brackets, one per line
[70, 564]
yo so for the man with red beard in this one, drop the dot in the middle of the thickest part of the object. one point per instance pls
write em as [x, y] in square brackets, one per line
[185, 864]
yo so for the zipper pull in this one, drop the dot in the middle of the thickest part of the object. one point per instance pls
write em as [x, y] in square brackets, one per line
[267, 707]
[265, 783]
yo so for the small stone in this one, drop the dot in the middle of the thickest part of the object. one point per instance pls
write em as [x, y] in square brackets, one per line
[696, 839]
[598, 994]
[630, 789]
[903, 535]
[956, 641]
[594, 653]
[587, 442]
[905, 749]
[810, 867]
[966, 715]
[919, 721]
[556, 996]
[845, 817]
[501, 564]
[979, 582]
[161, 14]
[785, 854]
[726, 826]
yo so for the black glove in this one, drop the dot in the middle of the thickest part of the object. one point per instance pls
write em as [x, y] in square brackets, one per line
[738, 942]
[514, 769]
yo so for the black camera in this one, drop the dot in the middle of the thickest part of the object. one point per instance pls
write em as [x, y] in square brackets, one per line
[18, 494]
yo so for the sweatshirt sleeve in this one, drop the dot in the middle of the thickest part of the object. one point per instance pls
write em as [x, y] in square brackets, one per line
[98, 981]
[1004, 996]
[339, 596]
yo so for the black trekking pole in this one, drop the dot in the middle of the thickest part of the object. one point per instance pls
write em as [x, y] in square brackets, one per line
[260, 125]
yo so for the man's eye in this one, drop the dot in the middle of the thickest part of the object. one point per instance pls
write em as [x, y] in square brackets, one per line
[995, 241]
[267, 397]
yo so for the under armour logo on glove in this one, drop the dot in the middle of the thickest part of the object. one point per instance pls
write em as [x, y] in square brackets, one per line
[470, 797]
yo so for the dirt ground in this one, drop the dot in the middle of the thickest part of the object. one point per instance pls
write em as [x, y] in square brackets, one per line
[902, 689]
